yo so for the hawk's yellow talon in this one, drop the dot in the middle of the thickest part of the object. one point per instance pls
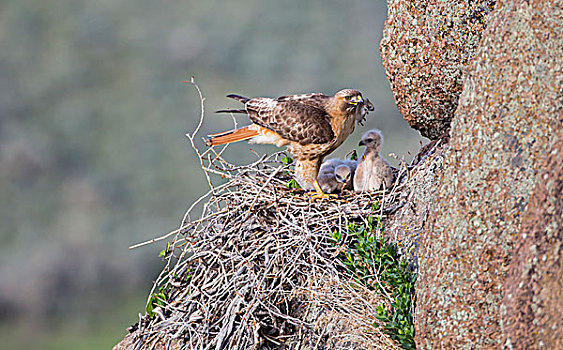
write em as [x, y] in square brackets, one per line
[316, 195]
[319, 194]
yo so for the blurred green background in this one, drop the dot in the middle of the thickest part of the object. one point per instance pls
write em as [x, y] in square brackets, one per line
[93, 156]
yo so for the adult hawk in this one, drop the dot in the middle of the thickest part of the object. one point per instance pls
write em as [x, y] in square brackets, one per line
[310, 125]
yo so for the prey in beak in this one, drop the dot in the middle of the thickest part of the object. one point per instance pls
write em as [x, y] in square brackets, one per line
[366, 107]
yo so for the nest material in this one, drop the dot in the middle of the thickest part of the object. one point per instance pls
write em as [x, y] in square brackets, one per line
[259, 270]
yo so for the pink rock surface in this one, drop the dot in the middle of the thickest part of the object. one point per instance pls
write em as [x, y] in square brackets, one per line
[508, 121]
[426, 47]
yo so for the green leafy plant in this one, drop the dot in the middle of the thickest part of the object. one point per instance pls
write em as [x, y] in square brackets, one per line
[292, 184]
[377, 265]
[165, 252]
[287, 160]
[157, 299]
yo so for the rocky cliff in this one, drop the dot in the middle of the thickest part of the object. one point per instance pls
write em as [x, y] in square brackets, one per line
[490, 254]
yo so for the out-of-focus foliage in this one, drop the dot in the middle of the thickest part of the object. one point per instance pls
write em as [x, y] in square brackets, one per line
[93, 111]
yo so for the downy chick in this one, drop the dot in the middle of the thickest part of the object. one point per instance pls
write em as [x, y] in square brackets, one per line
[373, 172]
[336, 174]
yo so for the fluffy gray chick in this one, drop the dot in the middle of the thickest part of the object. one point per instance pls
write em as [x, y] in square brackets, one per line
[344, 175]
[373, 172]
[336, 175]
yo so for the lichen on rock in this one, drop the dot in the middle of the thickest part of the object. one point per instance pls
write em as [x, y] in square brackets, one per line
[426, 48]
[508, 120]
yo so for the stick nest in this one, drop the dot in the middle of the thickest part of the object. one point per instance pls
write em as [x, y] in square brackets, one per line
[259, 270]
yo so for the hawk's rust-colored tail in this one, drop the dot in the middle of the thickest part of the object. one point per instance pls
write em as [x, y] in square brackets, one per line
[230, 136]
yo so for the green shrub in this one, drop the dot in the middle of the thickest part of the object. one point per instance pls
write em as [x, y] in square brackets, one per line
[377, 265]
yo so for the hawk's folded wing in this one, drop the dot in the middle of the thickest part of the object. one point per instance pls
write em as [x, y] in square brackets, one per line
[314, 99]
[291, 120]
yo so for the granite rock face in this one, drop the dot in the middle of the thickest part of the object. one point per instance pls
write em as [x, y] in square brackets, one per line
[426, 47]
[533, 296]
[405, 226]
[508, 121]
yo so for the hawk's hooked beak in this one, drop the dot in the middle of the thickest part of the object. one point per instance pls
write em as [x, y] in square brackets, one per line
[356, 99]
[362, 143]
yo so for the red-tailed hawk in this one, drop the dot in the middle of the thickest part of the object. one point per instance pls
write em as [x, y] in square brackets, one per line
[310, 125]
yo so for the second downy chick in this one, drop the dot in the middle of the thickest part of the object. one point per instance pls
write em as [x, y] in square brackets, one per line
[336, 175]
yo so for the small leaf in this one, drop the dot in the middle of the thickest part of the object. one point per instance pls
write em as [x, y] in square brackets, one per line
[292, 184]
[287, 160]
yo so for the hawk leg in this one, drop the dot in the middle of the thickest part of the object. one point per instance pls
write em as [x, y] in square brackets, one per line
[319, 194]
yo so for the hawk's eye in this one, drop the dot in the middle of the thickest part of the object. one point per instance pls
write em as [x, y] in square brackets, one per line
[347, 98]
[369, 140]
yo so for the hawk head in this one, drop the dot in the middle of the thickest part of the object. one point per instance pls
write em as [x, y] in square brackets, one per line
[342, 173]
[372, 139]
[350, 97]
